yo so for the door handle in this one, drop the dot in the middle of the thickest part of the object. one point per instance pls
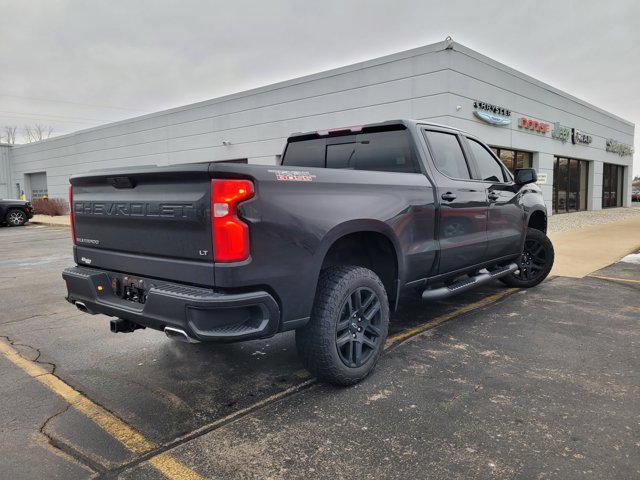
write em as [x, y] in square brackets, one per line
[449, 197]
[493, 196]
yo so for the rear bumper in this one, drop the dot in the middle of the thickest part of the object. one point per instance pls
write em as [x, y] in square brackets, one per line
[204, 314]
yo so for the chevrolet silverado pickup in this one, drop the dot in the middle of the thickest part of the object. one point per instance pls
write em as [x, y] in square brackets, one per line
[323, 243]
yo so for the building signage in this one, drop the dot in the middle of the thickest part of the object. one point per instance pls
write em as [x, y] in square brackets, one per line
[621, 149]
[536, 126]
[542, 179]
[560, 132]
[579, 137]
[492, 114]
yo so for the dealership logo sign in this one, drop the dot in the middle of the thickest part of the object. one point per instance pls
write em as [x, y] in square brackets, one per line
[534, 125]
[621, 149]
[579, 137]
[560, 132]
[492, 114]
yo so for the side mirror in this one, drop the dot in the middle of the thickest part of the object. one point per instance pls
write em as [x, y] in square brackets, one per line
[525, 175]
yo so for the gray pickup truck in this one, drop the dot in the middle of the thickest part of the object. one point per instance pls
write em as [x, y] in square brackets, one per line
[323, 243]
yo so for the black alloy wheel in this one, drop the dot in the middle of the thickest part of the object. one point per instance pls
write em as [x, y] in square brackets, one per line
[345, 335]
[358, 332]
[533, 260]
[534, 263]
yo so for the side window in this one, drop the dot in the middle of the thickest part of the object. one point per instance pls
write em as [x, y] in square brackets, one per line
[489, 168]
[305, 153]
[448, 155]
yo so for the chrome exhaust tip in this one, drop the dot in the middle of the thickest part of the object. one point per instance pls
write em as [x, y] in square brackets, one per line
[81, 306]
[179, 335]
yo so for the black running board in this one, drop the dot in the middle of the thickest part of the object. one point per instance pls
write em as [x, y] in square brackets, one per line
[468, 283]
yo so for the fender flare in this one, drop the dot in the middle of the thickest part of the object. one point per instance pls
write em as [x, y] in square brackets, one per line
[534, 211]
[363, 226]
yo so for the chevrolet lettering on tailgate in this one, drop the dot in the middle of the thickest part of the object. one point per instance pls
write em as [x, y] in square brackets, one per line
[135, 209]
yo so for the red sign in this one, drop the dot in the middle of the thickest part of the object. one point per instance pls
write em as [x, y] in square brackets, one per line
[534, 125]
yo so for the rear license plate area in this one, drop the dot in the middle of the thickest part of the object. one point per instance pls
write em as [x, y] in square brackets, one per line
[132, 289]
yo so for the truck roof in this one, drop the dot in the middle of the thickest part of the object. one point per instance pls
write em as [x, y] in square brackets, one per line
[399, 124]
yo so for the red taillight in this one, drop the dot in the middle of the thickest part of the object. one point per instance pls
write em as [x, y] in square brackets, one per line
[230, 234]
[73, 230]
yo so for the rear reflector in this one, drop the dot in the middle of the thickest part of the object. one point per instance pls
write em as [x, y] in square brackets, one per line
[230, 234]
[73, 230]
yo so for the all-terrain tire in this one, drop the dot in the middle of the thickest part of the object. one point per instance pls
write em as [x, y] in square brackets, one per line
[317, 341]
[535, 263]
[16, 217]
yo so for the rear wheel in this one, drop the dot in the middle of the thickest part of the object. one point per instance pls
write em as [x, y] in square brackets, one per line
[16, 218]
[348, 327]
[535, 262]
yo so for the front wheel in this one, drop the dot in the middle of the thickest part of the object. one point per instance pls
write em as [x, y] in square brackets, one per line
[16, 218]
[348, 327]
[535, 262]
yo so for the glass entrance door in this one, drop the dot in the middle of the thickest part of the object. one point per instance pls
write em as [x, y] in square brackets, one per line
[612, 176]
[569, 185]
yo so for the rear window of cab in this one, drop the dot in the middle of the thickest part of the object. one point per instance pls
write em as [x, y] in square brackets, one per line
[386, 151]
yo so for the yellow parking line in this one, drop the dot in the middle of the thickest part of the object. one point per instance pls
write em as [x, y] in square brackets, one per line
[116, 428]
[398, 337]
[172, 468]
[135, 442]
[615, 279]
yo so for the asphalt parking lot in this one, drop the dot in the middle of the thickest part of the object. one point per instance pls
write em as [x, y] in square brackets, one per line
[497, 383]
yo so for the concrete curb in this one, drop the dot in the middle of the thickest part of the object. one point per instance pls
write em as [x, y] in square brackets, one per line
[57, 221]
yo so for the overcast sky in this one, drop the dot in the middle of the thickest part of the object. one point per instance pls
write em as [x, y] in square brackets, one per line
[76, 64]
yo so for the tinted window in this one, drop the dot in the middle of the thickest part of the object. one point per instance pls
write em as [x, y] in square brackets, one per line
[448, 155]
[340, 156]
[380, 151]
[488, 166]
[306, 153]
[384, 152]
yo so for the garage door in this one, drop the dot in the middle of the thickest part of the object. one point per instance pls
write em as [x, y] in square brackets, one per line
[38, 182]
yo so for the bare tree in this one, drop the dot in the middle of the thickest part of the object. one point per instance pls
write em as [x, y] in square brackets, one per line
[8, 134]
[37, 132]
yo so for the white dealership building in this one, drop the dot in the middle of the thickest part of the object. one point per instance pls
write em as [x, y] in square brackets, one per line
[582, 153]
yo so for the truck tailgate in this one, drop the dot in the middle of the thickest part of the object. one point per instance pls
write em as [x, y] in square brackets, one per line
[152, 221]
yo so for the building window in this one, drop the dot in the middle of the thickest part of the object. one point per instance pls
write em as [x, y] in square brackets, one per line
[569, 185]
[489, 169]
[612, 177]
[513, 159]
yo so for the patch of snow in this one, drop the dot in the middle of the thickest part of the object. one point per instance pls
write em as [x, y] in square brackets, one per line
[633, 258]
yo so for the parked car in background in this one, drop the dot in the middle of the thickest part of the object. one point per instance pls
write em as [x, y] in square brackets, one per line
[15, 213]
[323, 244]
